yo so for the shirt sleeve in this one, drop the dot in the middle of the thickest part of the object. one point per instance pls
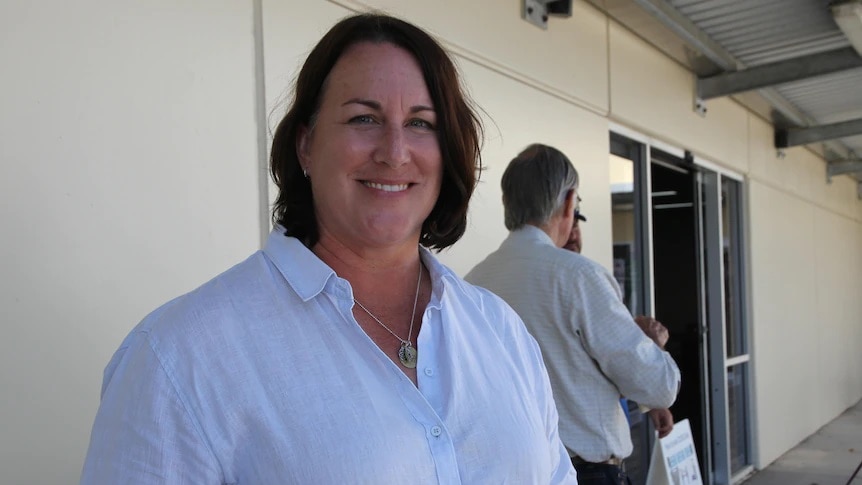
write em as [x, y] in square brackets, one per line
[640, 369]
[143, 433]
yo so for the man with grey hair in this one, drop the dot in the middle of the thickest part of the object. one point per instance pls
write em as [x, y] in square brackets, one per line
[592, 348]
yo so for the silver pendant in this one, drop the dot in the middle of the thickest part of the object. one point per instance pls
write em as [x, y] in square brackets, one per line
[408, 355]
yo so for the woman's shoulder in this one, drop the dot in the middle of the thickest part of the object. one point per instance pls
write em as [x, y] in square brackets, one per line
[216, 305]
[469, 297]
[501, 320]
[486, 306]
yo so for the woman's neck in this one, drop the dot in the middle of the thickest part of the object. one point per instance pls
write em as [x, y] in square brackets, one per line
[370, 270]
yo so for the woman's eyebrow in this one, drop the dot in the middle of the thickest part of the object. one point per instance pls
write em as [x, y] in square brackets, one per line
[418, 108]
[365, 102]
[376, 105]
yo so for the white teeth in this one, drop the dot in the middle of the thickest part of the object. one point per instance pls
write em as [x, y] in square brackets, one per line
[386, 188]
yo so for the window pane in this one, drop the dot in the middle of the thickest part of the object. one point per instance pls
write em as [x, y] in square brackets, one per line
[626, 256]
[637, 464]
[730, 222]
[737, 416]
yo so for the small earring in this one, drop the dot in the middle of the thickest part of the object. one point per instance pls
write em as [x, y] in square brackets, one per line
[304, 172]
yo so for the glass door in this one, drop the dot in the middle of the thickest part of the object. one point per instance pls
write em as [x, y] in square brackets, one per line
[678, 254]
[729, 357]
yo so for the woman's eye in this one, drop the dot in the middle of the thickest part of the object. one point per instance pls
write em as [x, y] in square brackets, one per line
[420, 123]
[362, 119]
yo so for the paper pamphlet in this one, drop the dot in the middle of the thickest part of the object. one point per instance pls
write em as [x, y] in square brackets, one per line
[674, 459]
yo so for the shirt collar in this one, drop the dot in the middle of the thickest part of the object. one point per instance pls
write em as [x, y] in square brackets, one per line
[308, 275]
[438, 274]
[530, 234]
[302, 269]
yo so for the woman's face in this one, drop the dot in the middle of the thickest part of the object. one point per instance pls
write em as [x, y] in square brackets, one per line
[372, 153]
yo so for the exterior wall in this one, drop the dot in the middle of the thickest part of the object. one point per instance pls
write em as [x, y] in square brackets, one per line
[514, 48]
[805, 267]
[654, 95]
[785, 355]
[129, 174]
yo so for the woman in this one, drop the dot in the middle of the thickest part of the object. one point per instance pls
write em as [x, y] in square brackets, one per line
[343, 352]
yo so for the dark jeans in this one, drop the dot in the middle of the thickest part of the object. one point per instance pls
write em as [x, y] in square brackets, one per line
[598, 474]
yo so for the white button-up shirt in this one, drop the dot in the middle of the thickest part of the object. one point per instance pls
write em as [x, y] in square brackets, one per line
[263, 376]
[593, 349]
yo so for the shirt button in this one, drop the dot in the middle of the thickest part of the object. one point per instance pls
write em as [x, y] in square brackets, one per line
[429, 371]
[436, 431]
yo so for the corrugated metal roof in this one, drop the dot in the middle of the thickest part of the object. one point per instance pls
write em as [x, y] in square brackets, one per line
[828, 99]
[765, 31]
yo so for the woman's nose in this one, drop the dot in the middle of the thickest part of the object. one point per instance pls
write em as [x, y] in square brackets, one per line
[392, 148]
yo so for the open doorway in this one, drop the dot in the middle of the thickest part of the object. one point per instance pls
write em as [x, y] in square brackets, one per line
[677, 287]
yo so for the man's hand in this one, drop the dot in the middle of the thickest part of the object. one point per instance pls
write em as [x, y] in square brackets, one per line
[653, 329]
[662, 419]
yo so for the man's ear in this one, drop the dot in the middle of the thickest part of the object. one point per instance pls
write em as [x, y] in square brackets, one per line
[571, 198]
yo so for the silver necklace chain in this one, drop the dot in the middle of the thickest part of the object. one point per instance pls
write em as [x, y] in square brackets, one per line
[406, 353]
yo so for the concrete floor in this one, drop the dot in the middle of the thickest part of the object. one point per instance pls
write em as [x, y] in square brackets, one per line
[828, 457]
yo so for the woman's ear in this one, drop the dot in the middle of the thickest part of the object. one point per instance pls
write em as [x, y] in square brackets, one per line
[303, 140]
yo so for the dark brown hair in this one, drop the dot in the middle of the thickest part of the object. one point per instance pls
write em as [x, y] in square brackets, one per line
[459, 129]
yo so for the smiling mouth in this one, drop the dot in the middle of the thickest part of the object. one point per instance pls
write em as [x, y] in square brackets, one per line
[386, 187]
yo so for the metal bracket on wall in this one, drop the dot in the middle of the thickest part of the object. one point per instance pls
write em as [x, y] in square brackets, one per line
[841, 167]
[537, 11]
[768, 75]
[700, 106]
[790, 137]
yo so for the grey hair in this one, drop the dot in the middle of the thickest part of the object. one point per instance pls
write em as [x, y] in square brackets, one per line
[535, 185]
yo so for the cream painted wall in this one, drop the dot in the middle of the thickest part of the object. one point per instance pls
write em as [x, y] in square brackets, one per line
[839, 312]
[128, 175]
[651, 93]
[516, 117]
[491, 33]
[786, 350]
[805, 287]
[800, 172]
